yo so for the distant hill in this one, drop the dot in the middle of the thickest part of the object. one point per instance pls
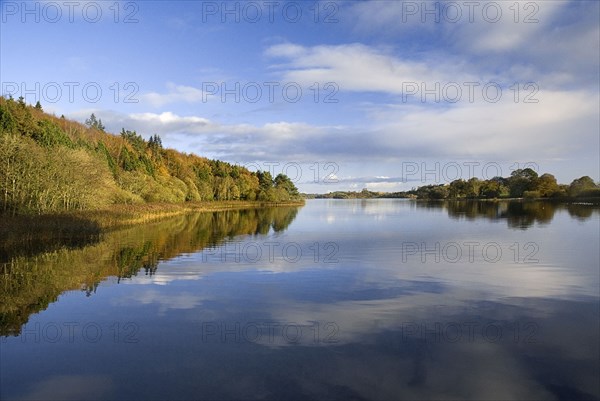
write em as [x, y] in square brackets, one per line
[50, 164]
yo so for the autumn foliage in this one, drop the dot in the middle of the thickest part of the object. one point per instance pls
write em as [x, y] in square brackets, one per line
[50, 164]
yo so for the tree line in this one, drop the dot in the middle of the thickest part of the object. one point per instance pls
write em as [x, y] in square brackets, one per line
[522, 183]
[50, 164]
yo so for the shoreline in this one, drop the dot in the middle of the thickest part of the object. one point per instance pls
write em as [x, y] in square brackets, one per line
[591, 200]
[125, 215]
[74, 225]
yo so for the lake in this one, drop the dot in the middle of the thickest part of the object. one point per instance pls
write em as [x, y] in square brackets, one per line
[338, 299]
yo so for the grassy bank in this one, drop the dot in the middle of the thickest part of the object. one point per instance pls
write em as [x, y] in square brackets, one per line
[125, 215]
[79, 228]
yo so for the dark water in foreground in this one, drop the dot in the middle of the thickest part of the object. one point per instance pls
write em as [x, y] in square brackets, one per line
[371, 299]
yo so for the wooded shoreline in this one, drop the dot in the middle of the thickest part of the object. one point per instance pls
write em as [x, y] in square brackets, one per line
[54, 165]
[84, 224]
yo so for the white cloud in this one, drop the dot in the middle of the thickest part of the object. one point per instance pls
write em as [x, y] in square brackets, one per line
[538, 36]
[165, 302]
[518, 23]
[499, 130]
[357, 67]
[175, 94]
[404, 125]
[168, 118]
[481, 130]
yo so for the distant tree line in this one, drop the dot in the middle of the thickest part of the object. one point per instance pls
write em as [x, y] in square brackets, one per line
[50, 164]
[522, 183]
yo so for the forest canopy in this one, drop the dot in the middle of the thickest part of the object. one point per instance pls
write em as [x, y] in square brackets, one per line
[50, 164]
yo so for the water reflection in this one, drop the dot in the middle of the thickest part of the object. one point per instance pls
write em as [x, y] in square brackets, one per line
[370, 326]
[32, 235]
[30, 283]
[518, 214]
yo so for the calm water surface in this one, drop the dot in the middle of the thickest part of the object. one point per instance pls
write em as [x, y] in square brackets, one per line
[357, 299]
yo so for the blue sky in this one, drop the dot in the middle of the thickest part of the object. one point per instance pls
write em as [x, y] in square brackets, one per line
[386, 95]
